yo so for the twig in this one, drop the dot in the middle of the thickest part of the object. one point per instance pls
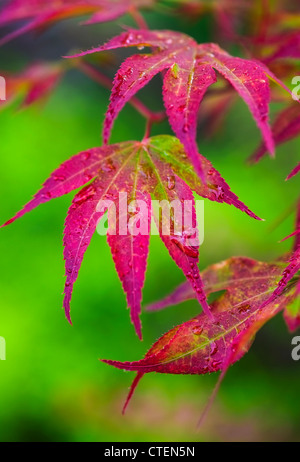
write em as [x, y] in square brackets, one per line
[89, 70]
[138, 18]
[148, 128]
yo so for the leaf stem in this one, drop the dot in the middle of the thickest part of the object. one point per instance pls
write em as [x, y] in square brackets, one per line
[96, 75]
[139, 18]
[149, 123]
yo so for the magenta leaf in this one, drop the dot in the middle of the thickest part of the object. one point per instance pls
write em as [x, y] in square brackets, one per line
[190, 73]
[289, 47]
[157, 167]
[71, 175]
[227, 275]
[42, 13]
[35, 83]
[294, 172]
[130, 252]
[204, 345]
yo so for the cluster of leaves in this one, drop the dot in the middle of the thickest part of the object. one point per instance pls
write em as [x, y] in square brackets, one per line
[41, 14]
[167, 168]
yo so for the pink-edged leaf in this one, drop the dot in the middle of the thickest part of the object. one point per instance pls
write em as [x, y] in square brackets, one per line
[241, 344]
[158, 166]
[88, 207]
[227, 275]
[160, 40]
[203, 345]
[285, 127]
[190, 74]
[80, 225]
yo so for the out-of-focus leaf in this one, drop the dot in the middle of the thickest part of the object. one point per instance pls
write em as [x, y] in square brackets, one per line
[203, 345]
[43, 13]
[35, 83]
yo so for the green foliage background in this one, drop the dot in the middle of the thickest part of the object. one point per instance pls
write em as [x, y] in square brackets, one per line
[52, 386]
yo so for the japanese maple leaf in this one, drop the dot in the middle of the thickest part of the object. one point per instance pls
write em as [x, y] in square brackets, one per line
[157, 167]
[227, 275]
[189, 70]
[225, 11]
[288, 47]
[285, 127]
[34, 83]
[203, 345]
[42, 13]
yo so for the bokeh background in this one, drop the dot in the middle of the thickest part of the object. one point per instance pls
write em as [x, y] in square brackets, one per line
[52, 385]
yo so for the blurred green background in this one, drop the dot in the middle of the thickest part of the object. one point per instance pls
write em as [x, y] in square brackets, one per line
[52, 386]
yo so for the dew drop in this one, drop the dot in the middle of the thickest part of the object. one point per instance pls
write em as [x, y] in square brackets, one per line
[215, 364]
[86, 155]
[197, 330]
[59, 178]
[47, 195]
[244, 308]
[108, 166]
[171, 182]
[84, 195]
[213, 348]
[87, 177]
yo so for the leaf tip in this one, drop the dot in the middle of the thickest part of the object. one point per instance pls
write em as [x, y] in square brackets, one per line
[7, 223]
[132, 390]
[67, 308]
